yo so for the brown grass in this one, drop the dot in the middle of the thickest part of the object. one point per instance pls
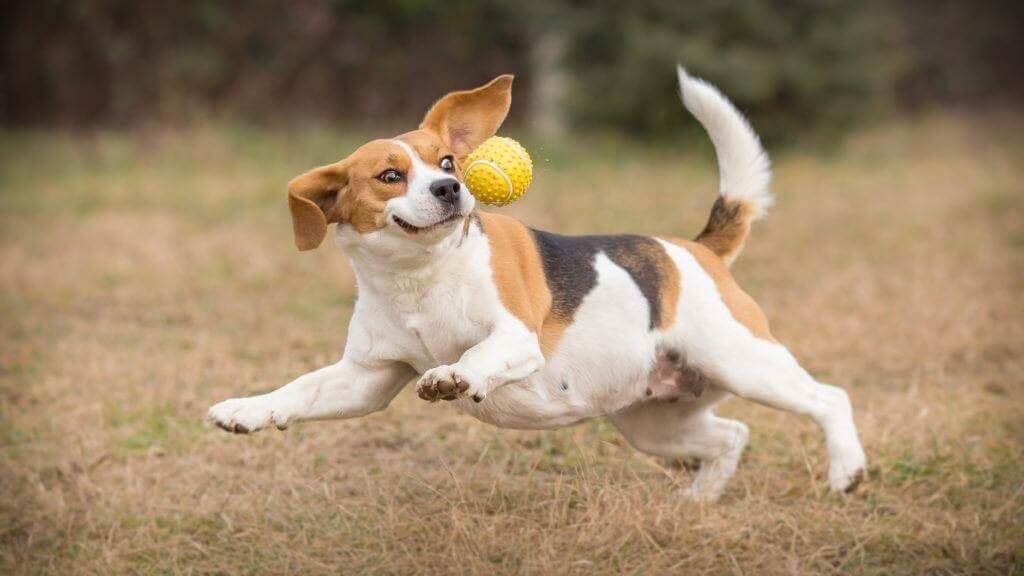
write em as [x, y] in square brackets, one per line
[146, 277]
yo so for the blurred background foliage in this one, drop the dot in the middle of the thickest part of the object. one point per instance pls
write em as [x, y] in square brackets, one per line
[796, 66]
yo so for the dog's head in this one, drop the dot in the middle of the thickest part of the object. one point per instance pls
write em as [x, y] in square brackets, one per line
[405, 189]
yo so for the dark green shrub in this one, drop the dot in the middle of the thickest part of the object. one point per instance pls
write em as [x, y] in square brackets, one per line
[792, 66]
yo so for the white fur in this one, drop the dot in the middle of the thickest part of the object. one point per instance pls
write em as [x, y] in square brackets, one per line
[744, 169]
[428, 306]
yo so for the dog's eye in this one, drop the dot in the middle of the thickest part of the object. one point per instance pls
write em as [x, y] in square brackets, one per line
[390, 176]
[447, 164]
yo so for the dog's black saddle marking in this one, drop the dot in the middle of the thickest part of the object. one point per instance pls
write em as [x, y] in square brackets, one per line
[569, 267]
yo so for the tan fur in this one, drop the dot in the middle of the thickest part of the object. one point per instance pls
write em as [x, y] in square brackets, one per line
[430, 147]
[740, 304]
[727, 229]
[670, 287]
[465, 119]
[310, 197]
[347, 191]
[520, 279]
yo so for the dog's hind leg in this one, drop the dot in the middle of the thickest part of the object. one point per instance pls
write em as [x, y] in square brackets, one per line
[687, 430]
[765, 372]
[722, 333]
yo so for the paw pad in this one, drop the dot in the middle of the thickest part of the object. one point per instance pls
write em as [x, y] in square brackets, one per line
[443, 388]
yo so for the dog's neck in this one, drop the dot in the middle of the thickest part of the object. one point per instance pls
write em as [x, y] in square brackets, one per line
[403, 269]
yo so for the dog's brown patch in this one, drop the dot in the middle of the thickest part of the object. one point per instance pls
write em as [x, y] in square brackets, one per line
[347, 191]
[670, 288]
[727, 228]
[740, 304]
[519, 276]
[430, 147]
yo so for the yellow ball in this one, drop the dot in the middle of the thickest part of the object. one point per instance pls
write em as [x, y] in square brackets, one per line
[498, 171]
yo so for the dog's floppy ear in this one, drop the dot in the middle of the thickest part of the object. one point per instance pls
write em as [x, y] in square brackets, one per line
[313, 202]
[465, 119]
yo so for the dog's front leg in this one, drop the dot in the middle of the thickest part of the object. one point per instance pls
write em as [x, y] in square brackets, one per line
[347, 389]
[508, 354]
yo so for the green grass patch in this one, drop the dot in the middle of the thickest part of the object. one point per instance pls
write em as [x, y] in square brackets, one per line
[151, 427]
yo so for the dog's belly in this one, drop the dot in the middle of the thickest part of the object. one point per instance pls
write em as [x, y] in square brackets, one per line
[601, 365]
[528, 405]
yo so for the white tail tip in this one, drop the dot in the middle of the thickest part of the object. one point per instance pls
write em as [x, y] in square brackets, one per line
[744, 169]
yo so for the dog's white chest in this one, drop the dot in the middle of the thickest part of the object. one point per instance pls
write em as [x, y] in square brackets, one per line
[438, 336]
[434, 321]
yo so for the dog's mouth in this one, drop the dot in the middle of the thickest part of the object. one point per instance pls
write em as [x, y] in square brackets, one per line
[413, 229]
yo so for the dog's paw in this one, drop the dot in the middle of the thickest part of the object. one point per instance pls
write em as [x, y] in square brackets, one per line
[246, 415]
[846, 472]
[446, 383]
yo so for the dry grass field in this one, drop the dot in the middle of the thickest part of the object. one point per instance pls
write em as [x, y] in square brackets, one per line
[147, 276]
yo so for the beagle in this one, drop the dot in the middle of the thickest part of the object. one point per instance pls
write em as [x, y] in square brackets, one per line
[529, 329]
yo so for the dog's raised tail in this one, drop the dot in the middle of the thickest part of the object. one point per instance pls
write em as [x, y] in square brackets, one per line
[743, 166]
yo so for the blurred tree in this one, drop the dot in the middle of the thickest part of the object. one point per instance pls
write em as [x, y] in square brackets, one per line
[120, 61]
[794, 65]
[791, 65]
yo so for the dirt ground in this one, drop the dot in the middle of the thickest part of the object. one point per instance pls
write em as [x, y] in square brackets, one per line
[148, 276]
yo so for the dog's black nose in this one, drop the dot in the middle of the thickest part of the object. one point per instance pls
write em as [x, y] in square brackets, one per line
[446, 190]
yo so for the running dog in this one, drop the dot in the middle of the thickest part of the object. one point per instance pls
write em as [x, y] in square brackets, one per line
[529, 329]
